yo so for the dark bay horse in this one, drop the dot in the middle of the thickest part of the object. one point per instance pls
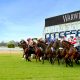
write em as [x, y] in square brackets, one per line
[77, 57]
[42, 45]
[61, 50]
[37, 51]
[26, 54]
[70, 53]
[50, 52]
[58, 50]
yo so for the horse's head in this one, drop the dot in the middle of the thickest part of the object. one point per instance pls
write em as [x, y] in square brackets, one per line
[66, 44]
[22, 41]
[56, 44]
[41, 44]
[23, 44]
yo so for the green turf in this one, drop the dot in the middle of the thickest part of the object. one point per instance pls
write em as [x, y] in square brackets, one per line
[13, 67]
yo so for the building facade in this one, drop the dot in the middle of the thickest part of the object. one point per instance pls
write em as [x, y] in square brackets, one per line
[63, 25]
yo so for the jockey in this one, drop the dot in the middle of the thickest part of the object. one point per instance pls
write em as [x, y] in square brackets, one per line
[30, 42]
[72, 40]
[48, 40]
[30, 46]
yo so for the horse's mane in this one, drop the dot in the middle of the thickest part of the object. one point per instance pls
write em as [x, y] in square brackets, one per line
[23, 44]
[56, 44]
[23, 41]
[67, 42]
[42, 44]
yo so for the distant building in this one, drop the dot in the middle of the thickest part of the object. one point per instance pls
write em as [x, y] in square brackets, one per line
[63, 25]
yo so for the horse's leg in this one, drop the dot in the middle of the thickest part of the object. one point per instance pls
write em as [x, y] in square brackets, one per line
[43, 59]
[67, 62]
[58, 61]
[40, 58]
[71, 62]
[26, 57]
[51, 60]
[54, 57]
[29, 57]
[58, 56]
[23, 54]
[63, 60]
[36, 57]
[76, 61]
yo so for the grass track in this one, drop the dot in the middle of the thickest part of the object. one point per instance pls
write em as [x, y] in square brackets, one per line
[13, 67]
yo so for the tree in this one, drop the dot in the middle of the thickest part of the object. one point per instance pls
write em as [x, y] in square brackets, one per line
[11, 44]
[3, 43]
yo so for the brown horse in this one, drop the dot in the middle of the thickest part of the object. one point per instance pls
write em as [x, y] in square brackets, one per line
[59, 52]
[26, 54]
[37, 51]
[70, 53]
[77, 58]
[42, 45]
[50, 52]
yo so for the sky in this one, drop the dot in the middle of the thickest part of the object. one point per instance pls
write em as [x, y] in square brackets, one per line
[22, 19]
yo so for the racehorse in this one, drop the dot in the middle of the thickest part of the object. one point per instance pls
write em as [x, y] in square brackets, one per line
[70, 53]
[38, 52]
[77, 57]
[50, 52]
[23, 44]
[58, 50]
[41, 44]
[26, 54]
